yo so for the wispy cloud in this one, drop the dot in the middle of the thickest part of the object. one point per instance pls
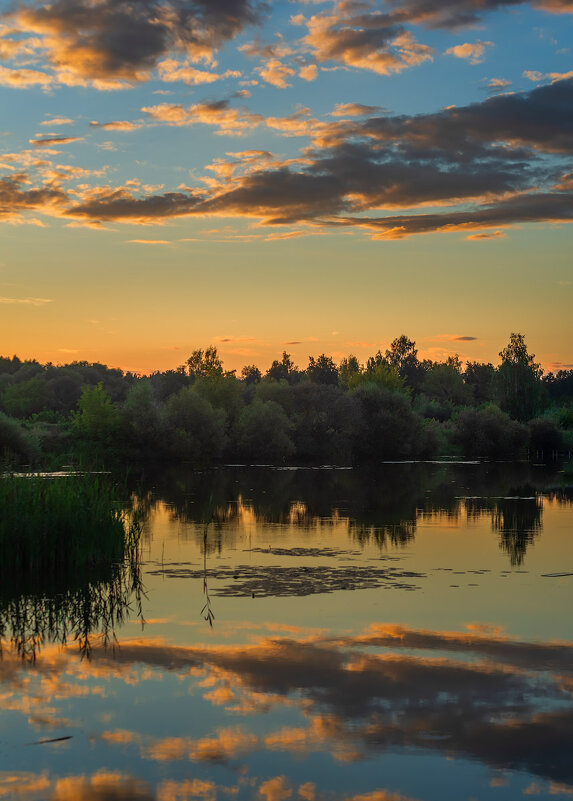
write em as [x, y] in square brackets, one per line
[26, 301]
[54, 141]
[149, 241]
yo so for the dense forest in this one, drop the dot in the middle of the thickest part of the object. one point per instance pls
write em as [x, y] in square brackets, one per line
[396, 406]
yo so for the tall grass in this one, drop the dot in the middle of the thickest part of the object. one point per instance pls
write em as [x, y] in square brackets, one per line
[50, 527]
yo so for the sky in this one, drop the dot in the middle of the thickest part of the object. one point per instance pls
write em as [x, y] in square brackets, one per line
[315, 176]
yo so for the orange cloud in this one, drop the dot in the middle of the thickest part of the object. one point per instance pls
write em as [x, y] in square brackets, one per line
[21, 78]
[276, 789]
[472, 52]
[362, 39]
[229, 121]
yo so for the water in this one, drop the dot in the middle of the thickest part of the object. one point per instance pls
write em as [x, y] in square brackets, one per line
[297, 635]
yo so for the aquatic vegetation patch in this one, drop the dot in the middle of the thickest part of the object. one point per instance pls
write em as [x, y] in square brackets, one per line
[273, 581]
[50, 527]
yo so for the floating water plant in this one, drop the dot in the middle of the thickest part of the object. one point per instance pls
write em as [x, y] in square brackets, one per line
[50, 527]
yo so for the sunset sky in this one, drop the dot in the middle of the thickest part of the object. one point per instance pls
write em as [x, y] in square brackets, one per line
[302, 175]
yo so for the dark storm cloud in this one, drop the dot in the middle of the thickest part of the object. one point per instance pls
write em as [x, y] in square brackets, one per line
[122, 40]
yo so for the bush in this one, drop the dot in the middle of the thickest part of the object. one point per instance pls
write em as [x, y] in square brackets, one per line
[142, 424]
[195, 431]
[544, 436]
[489, 432]
[16, 444]
[97, 419]
[262, 433]
[390, 429]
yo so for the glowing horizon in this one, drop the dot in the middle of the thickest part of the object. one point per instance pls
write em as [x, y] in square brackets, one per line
[309, 176]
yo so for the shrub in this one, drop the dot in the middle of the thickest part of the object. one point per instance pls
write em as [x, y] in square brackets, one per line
[544, 435]
[489, 432]
[262, 433]
[16, 444]
[195, 431]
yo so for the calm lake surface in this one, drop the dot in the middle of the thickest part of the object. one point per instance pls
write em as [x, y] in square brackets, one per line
[403, 632]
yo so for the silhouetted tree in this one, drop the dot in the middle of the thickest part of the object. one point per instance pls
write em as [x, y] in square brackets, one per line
[251, 374]
[403, 355]
[142, 424]
[204, 363]
[383, 376]
[519, 380]
[480, 378]
[196, 429]
[263, 433]
[169, 383]
[559, 385]
[444, 383]
[390, 429]
[348, 367]
[285, 369]
[322, 370]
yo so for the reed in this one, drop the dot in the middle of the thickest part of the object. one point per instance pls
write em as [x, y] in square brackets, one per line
[50, 527]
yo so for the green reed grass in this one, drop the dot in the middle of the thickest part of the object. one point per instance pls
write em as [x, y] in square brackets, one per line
[52, 526]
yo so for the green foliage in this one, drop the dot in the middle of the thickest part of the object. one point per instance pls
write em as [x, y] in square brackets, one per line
[444, 383]
[490, 433]
[347, 368]
[432, 409]
[326, 421]
[480, 379]
[544, 436]
[52, 526]
[141, 419]
[251, 374]
[97, 419]
[322, 370]
[278, 391]
[196, 431]
[222, 390]
[559, 385]
[262, 433]
[24, 398]
[204, 363]
[403, 355]
[382, 376]
[284, 370]
[390, 429]
[330, 418]
[16, 443]
[519, 380]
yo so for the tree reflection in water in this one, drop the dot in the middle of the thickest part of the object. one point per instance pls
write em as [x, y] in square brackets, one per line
[82, 609]
[382, 504]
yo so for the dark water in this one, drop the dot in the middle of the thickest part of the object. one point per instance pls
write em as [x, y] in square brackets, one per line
[403, 632]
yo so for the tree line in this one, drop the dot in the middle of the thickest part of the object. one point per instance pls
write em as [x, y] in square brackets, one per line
[394, 406]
